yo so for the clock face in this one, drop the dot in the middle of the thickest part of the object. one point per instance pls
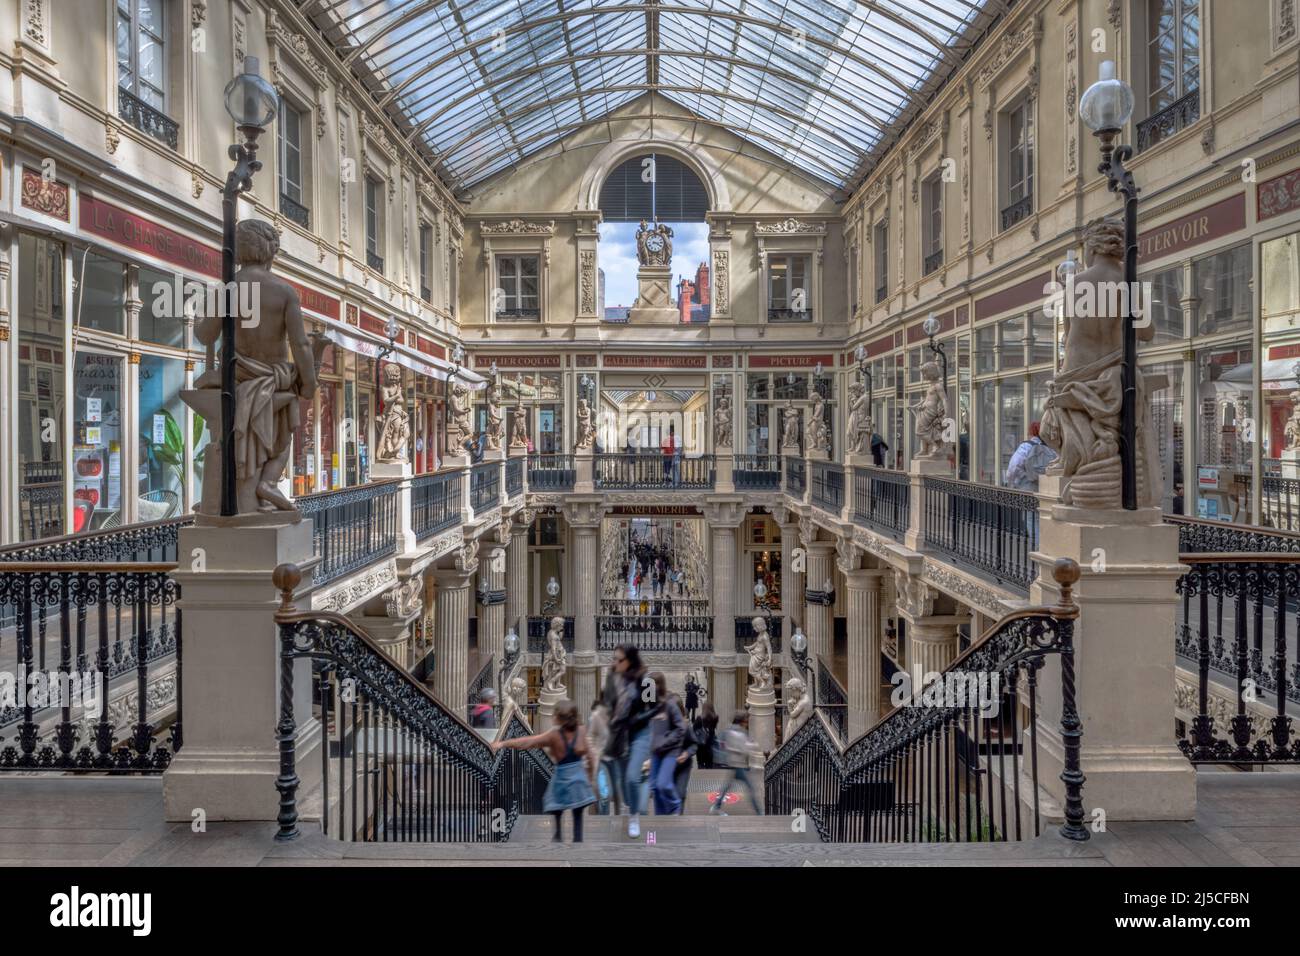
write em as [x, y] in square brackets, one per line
[654, 242]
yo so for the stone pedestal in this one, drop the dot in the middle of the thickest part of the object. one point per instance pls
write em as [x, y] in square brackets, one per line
[654, 301]
[383, 470]
[920, 469]
[762, 717]
[724, 465]
[816, 454]
[231, 670]
[584, 472]
[547, 701]
[1124, 661]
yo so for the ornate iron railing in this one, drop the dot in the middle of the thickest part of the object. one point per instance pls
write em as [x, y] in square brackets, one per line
[828, 486]
[932, 262]
[375, 261]
[655, 607]
[94, 645]
[745, 632]
[1279, 502]
[351, 527]
[550, 473]
[150, 541]
[40, 508]
[1209, 537]
[1178, 115]
[990, 529]
[539, 624]
[514, 477]
[1017, 212]
[435, 503]
[756, 472]
[882, 291]
[882, 500]
[146, 119]
[295, 211]
[789, 315]
[396, 764]
[518, 315]
[796, 476]
[656, 633]
[832, 700]
[486, 677]
[1246, 721]
[641, 470]
[485, 486]
[947, 771]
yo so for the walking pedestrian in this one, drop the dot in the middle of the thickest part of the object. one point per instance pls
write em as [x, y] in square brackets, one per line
[706, 734]
[692, 696]
[736, 748]
[569, 788]
[630, 732]
[667, 736]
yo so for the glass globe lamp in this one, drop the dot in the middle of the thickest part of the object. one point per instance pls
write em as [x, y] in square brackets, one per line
[1106, 105]
[250, 100]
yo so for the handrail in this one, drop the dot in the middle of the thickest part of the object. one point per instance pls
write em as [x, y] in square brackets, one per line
[317, 495]
[1214, 536]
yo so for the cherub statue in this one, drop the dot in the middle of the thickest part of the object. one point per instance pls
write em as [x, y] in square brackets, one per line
[461, 426]
[760, 656]
[586, 430]
[789, 427]
[931, 414]
[798, 706]
[722, 423]
[519, 433]
[554, 662]
[517, 693]
[860, 425]
[495, 426]
[395, 432]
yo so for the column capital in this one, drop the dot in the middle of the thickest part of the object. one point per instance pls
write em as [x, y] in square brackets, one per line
[725, 512]
[915, 597]
[452, 579]
[847, 554]
[524, 519]
[585, 513]
[864, 579]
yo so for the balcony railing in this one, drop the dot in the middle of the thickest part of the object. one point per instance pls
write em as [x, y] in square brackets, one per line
[375, 261]
[550, 472]
[1280, 502]
[654, 607]
[426, 293]
[832, 700]
[1178, 115]
[539, 624]
[146, 119]
[882, 500]
[828, 486]
[485, 486]
[990, 529]
[295, 211]
[757, 472]
[351, 527]
[881, 292]
[435, 503]
[656, 634]
[789, 315]
[796, 476]
[518, 315]
[1017, 212]
[932, 262]
[514, 477]
[1219, 537]
[626, 472]
[745, 632]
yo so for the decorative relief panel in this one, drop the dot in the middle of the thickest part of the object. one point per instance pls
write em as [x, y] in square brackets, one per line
[587, 273]
[791, 226]
[721, 281]
[47, 196]
[519, 227]
[1011, 44]
[1071, 98]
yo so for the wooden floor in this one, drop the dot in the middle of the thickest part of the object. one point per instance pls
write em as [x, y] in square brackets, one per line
[1247, 819]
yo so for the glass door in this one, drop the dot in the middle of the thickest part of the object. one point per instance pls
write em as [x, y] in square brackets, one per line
[97, 441]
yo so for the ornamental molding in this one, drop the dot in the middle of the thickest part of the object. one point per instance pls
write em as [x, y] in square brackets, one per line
[467, 557]
[518, 227]
[198, 13]
[1007, 49]
[721, 281]
[949, 581]
[725, 514]
[790, 227]
[807, 530]
[299, 48]
[848, 555]
[878, 188]
[587, 279]
[929, 134]
[355, 591]
[34, 22]
[915, 597]
[1115, 13]
[1285, 30]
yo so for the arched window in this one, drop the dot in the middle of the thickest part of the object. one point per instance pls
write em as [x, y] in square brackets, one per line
[654, 187]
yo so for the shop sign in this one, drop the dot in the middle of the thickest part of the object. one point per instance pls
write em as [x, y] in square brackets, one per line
[517, 361]
[656, 361]
[656, 511]
[1207, 478]
[135, 232]
[790, 361]
[314, 301]
[1211, 222]
[1012, 297]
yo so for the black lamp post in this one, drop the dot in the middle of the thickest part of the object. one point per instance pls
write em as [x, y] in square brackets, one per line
[391, 330]
[509, 656]
[799, 654]
[1104, 108]
[931, 328]
[252, 103]
[864, 369]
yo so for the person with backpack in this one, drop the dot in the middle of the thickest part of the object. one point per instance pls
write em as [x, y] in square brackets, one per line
[629, 741]
[483, 716]
[733, 752]
[569, 788]
[667, 737]
[1029, 461]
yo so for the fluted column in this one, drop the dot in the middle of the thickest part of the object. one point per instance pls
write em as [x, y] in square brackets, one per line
[791, 580]
[584, 517]
[723, 518]
[817, 617]
[517, 574]
[932, 644]
[451, 637]
[863, 588]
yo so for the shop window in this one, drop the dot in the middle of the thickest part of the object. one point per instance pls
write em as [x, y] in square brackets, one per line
[1222, 287]
[1012, 351]
[1280, 287]
[1042, 338]
[330, 458]
[97, 441]
[41, 440]
[1225, 417]
[161, 440]
[986, 349]
[304, 449]
[162, 318]
[1167, 424]
[101, 294]
[986, 439]
[1012, 427]
[1165, 307]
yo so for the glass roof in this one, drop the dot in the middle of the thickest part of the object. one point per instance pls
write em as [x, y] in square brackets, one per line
[819, 83]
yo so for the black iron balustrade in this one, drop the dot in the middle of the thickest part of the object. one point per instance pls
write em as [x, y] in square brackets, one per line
[789, 315]
[351, 527]
[539, 625]
[514, 477]
[88, 636]
[375, 261]
[1017, 212]
[938, 771]
[882, 500]
[1178, 115]
[796, 476]
[656, 633]
[745, 632]
[932, 262]
[832, 700]
[1279, 502]
[828, 486]
[485, 486]
[1196, 536]
[881, 292]
[519, 315]
[654, 607]
[1254, 659]
[396, 764]
[757, 472]
[991, 529]
[150, 541]
[295, 211]
[551, 473]
[649, 470]
[435, 503]
[146, 119]
[484, 679]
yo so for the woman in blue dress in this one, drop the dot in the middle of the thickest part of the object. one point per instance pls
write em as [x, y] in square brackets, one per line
[570, 787]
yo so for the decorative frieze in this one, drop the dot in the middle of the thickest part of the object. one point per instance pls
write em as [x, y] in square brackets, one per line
[965, 180]
[354, 591]
[587, 281]
[1011, 44]
[519, 227]
[1071, 98]
[791, 226]
[929, 133]
[721, 281]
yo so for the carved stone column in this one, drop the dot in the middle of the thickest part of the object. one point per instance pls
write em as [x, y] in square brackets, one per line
[584, 517]
[931, 638]
[517, 573]
[492, 576]
[451, 629]
[817, 617]
[864, 648]
[724, 517]
[792, 580]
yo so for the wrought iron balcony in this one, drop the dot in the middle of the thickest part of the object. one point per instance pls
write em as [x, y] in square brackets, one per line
[147, 119]
[881, 292]
[519, 315]
[932, 262]
[426, 293]
[1018, 211]
[375, 261]
[789, 315]
[1178, 115]
[295, 211]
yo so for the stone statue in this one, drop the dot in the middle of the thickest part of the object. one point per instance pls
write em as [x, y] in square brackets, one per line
[519, 433]
[268, 386]
[819, 437]
[517, 693]
[860, 425]
[395, 426]
[460, 427]
[1081, 417]
[586, 430]
[760, 656]
[798, 706]
[495, 421]
[554, 662]
[789, 427]
[722, 423]
[931, 414]
[403, 601]
[654, 246]
[1291, 433]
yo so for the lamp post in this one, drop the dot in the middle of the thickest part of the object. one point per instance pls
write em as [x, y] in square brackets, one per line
[391, 330]
[1104, 108]
[252, 103]
[799, 654]
[931, 328]
[553, 590]
[509, 656]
